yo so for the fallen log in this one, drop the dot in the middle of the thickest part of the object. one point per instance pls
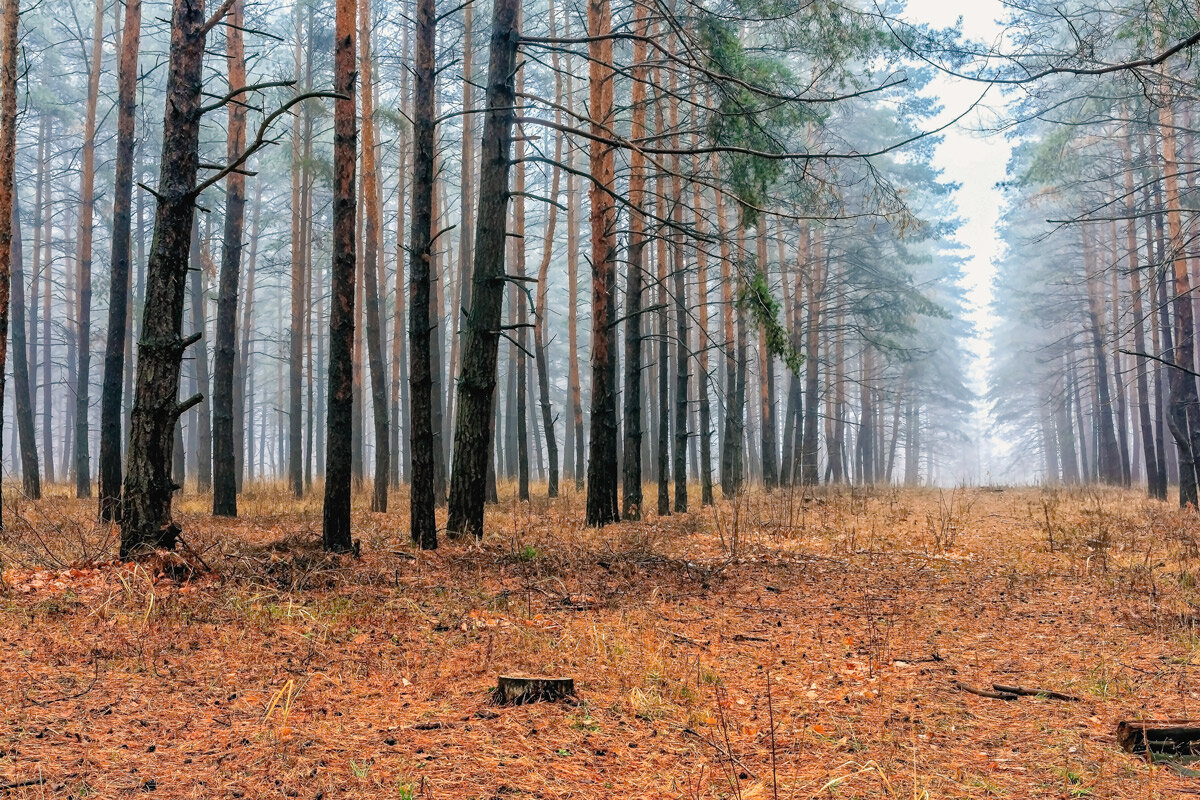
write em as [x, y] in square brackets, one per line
[1023, 692]
[1159, 737]
[514, 690]
[984, 692]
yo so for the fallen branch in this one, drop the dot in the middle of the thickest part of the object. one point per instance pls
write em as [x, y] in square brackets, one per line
[721, 750]
[1023, 692]
[984, 692]
[1159, 737]
[8, 787]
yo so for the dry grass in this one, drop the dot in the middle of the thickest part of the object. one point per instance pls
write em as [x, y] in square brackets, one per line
[287, 673]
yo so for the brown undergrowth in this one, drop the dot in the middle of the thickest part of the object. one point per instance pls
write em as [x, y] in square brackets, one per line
[778, 645]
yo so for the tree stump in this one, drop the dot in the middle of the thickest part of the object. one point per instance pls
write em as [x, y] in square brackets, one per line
[513, 690]
[1160, 737]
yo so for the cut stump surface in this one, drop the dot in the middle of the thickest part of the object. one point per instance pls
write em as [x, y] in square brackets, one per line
[512, 690]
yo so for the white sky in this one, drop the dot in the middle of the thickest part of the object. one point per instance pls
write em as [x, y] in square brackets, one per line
[977, 163]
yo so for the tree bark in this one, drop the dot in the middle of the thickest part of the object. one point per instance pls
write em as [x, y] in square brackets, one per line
[296, 325]
[705, 431]
[602, 444]
[146, 520]
[373, 228]
[8, 153]
[679, 289]
[473, 429]
[111, 404]
[336, 534]
[1184, 412]
[421, 432]
[83, 320]
[31, 483]
[224, 444]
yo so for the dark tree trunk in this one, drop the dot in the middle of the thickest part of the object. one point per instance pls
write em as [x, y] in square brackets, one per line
[336, 534]
[662, 365]
[420, 431]
[473, 427]
[602, 466]
[146, 520]
[631, 495]
[224, 444]
[111, 404]
[31, 482]
[1139, 328]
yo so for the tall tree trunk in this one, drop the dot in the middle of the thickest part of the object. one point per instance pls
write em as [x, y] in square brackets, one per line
[336, 533]
[298, 280]
[83, 320]
[662, 363]
[244, 373]
[1108, 458]
[224, 445]
[602, 443]
[473, 429]
[202, 420]
[373, 229]
[461, 300]
[146, 520]
[679, 288]
[1139, 327]
[31, 482]
[631, 495]
[8, 189]
[542, 322]
[422, 440]
[119, 281]
[399, 354]
[730, 448]
[766, 377]
[521, 306]
[1184, 412]
[47, 295]
[706, 427]
[574, 433]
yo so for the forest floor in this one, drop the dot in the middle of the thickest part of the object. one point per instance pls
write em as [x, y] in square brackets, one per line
[773, 647]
